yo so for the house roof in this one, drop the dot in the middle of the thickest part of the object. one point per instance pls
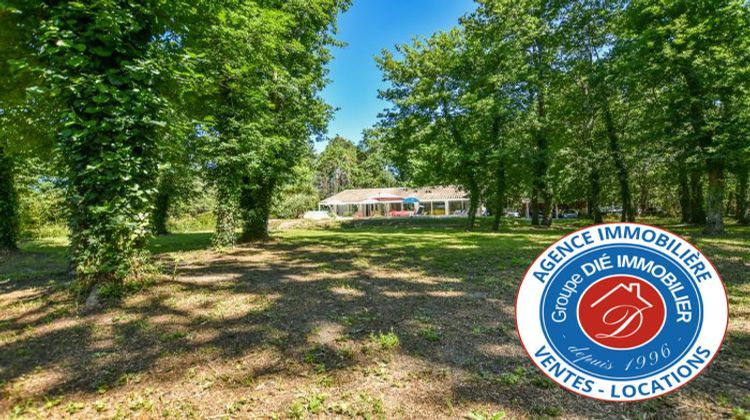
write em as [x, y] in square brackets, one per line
[436, 193]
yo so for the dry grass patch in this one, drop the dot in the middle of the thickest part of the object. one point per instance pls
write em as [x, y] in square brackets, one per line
[361, 320]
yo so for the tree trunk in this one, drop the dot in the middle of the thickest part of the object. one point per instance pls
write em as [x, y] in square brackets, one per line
[697, 209]
[541, 165]
[499, 195]
[743, 216]
[643, 196]
[226, 223]
[595, 195]
[473, 203]
[8, 204]
[547, 209]
[730, 205]
[714, 165]
[468, 166]
[628, 211]
[534, 208]
[162, 205]
[500, 180]
[255, 206]
[715, 199]
[683, 192]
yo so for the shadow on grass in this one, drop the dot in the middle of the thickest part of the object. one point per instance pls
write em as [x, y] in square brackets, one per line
[181, 242]
[447, 295]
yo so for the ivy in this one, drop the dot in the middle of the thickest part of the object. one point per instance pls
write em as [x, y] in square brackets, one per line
[8, 203]
[106, 67]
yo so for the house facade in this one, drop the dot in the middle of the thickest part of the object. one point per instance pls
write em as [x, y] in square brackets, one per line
[398, 201]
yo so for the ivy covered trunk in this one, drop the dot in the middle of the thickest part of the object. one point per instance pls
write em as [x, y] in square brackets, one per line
[8, 204]
[162, 204]
[595, 193]
[683, 192]
[499, 195]
[110, 186]
[743, 216]
[628, 211]
[697, 209]
[715, 199]
[255, 207]
[97, 58]
[226, 217]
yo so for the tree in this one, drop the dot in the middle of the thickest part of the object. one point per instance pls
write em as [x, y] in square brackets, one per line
[8, 198]
[298, 112]
[19, 127]
[736, 133]
[342, 165]
[430, 123]
[695, 55]
[103, 65]
[497, 101]
[8, 201]
[175, 182]
[376, 168]
[593, 92]
[299, 194]
[526, 32]
[266, 62]
[26, 158]
[617, 90]
[338, 167]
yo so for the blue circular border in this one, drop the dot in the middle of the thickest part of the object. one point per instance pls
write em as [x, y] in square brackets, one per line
[623, 245]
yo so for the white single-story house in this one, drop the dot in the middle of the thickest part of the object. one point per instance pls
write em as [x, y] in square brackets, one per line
[399, 201]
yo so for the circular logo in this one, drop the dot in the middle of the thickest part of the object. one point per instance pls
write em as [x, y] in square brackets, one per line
[617, 312]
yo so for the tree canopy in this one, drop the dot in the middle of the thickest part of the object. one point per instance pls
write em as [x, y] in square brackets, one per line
[590, 101]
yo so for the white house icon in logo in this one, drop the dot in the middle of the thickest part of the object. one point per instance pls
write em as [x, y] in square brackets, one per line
[621, 316]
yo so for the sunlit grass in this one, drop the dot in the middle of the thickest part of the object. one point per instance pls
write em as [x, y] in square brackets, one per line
[376, 313]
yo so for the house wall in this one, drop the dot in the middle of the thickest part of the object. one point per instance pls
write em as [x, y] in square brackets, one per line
[430, 208]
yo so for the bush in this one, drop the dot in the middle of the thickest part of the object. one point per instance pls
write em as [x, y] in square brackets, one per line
[194, 212]
[201, 222]
[42, 208]
[294, 206]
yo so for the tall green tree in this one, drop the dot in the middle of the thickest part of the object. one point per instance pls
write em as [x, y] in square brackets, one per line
[337, 168]
[18, 125]
[104, 65]
[8, 200]
[267, 62]
[299, 194]
[587, 39]
[431, 123]
[529, 29]
[343, 165]
[376, 167]
[695, 55]
[497, 103]
[736, 133]
[176, 182]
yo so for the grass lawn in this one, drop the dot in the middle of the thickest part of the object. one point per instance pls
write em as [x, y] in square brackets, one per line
[374, 319]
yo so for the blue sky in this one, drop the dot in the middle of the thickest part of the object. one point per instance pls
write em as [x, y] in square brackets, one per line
[368, 27]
